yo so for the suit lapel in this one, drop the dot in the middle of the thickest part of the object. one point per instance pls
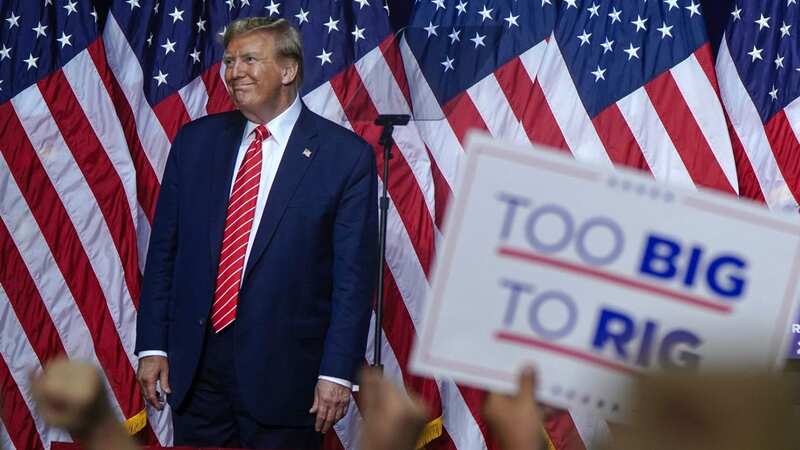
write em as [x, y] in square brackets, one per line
[291, 170]
[220, 176]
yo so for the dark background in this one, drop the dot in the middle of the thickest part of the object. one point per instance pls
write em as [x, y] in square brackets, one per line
[716, 13]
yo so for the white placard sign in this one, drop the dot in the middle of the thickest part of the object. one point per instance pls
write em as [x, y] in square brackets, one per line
[598, 276]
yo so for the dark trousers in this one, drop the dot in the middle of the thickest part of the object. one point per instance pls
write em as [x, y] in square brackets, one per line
[213, 414]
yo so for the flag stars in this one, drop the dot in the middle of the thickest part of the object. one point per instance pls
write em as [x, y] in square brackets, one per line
[94, 14]
[454, 36]
[230, 4]
[778, 62]
[438, 3]
[64, 39]
[546, 2]
[5, 53]
[273, 8]
[486, 13]
[665, 30]
[324, 57]
[431, 29]
[302, 16]
[13, 21]
[671, 4]
[195, 55]
[221, 33]
[789, 2]
[608, 46]
[785, 29]
[161, 78]
[331, 24]
[31, 61]
[633, 52]
[571, 4]
[614, 14]
[201, 25]
[584, 38]
[448, 63]
[512, 20]
[39, 29]
[755, 53]
[461, 7]
[774, 93]
[593, 10]
[176, 14]
[133, 4]
[358, 33]
[478, 40]
[71, 7]
[737, 14]
[640, 23]
[168, 47]
[362, 4]
[150, 40]
[763, 22]
[693, 9]
[599, 74]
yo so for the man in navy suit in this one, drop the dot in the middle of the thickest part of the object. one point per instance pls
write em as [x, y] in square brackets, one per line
[259, 279]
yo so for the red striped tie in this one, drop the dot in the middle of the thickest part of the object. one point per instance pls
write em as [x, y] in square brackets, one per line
[238, 223]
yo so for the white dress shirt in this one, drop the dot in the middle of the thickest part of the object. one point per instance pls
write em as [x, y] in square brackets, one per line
[272, 148]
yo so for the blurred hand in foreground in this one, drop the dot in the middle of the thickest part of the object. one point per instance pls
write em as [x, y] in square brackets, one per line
[515, 420]
[71, 395]
[392, 419]
[732, 410]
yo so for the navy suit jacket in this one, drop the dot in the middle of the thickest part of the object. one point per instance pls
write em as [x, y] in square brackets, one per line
[305, 302]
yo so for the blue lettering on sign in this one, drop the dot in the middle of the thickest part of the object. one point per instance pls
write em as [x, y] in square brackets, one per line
[563, 231]
[513, 202]
[634, 343]
[544, 327]
[664, 257]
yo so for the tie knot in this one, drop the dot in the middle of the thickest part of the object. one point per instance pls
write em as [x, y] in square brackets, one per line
[261, 132]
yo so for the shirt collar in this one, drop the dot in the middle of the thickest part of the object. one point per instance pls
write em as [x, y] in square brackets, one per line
[281, 126]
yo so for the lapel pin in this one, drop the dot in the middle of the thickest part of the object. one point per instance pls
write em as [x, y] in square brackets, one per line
[307, 153]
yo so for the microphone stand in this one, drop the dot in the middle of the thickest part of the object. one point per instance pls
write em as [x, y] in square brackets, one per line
[388, 122]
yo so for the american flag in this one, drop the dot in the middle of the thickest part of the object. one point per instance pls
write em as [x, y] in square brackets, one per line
[613, 82]
[759, 75]
[69, 278]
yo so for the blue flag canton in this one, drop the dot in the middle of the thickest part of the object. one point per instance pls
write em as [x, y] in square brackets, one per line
[39, 38]
[615, 48]
[177, 40]
[763, 42]
[457, 43]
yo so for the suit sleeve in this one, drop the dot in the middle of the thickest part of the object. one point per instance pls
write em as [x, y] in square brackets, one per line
[153, 318]
[355, 253]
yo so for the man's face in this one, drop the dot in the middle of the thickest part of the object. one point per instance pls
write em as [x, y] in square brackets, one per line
[253, 74]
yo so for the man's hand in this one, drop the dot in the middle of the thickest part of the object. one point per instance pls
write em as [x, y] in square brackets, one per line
[330, 404]
[392, 419]
[515, 419]
[152, 369]
[70, 395]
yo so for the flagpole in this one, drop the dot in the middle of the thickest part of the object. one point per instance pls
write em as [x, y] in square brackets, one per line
[388, 122]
